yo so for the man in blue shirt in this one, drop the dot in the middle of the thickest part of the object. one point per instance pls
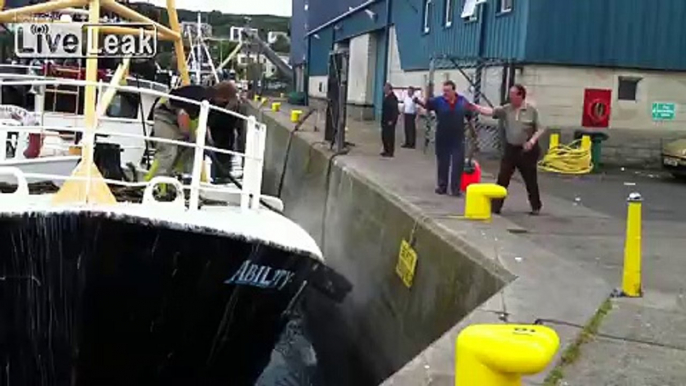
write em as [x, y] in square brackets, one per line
[451, 111]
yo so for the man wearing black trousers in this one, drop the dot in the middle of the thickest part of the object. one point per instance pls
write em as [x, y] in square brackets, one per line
[410, 119]
[389, 118]
[523, 129]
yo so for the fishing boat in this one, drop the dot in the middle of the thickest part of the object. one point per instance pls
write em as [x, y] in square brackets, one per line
[101, 290]
[57, 107]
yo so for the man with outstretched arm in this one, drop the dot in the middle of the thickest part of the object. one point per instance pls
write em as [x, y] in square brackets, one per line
[523, 129]
[451, 111]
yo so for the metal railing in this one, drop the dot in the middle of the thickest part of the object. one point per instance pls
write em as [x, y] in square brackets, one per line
[253, 157]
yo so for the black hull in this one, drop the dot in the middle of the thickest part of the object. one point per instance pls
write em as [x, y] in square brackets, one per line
[86, 299]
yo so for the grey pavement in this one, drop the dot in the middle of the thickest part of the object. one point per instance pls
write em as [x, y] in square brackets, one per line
[567, 260]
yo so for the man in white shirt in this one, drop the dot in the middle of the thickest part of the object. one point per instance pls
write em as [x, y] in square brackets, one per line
[410, 118]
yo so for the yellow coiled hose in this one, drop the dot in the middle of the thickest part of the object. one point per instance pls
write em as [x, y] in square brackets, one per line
[567, 159]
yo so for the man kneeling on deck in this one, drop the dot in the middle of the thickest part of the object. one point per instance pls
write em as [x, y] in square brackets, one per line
[178, 121]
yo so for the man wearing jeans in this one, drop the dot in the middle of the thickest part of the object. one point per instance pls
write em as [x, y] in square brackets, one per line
[451, 111]
[522, 131]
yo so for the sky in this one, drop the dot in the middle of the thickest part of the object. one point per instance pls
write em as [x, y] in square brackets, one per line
[250, 7]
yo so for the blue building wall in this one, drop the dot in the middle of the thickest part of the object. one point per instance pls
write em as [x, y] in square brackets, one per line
[320, 46]
[321, 11]
[647, 34]
[298, 27]
[360, 22]
[498, 35]
[380, 73]
[617, 33]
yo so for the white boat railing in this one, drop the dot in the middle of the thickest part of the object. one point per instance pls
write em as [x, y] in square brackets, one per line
[253, 157]
[140, 81]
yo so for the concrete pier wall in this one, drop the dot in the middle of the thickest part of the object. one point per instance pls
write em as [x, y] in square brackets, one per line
[359, 227]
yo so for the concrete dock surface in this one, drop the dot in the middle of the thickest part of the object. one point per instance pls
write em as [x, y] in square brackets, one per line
[564, 263]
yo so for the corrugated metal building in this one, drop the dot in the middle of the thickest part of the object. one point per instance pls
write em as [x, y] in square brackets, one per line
[560, 48]
[299, 26]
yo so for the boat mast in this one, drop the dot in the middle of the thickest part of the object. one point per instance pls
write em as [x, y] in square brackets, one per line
[198, 54]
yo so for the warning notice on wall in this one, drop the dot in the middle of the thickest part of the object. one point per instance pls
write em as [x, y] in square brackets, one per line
[407, 263]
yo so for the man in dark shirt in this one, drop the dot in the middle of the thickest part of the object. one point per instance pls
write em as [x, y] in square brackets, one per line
[389, 118]
[223, 127]
[451, 111]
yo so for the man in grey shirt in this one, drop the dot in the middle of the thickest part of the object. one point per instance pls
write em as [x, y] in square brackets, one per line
[522, 128]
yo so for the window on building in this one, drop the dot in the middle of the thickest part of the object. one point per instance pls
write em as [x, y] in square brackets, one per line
[449, 12]
[427, 16]
[469, 11]
[506, 6]
[628, 87]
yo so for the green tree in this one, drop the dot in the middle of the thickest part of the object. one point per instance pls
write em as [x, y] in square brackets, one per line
[281, 44]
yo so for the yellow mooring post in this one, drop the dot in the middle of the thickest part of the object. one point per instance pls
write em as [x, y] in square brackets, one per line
[295, 115]
[631, 278]
[586, 142]
[500, 354]
[554, 141]
[477, 203]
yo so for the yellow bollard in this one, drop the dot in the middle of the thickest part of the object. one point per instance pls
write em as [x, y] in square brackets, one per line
[295, 115]
[264, 100]
[554, 141]
[256, 98]
[586, 142]
[631, 279]
[477, 205]
[276, 106]
[499, 354]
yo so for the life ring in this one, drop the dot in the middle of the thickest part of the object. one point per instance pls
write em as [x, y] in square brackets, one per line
[595, 115]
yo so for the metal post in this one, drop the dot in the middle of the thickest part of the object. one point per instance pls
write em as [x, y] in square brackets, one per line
[199, 156]
[342, 103]
[260, 143]
[178, 43]
[478, 73]
[198, 56]
[249, 161]
[631, 278]
[430, 83]
[209, 58]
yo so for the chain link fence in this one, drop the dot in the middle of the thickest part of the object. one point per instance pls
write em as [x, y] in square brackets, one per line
[487, 87]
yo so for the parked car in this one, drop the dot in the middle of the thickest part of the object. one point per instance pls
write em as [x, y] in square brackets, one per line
[674, 157]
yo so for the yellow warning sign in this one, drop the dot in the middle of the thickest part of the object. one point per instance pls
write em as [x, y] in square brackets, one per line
[407, 263]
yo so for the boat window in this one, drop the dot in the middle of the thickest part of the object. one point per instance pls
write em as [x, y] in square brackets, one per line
[123, 105]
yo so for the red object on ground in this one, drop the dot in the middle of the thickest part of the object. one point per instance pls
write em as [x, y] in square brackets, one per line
[35, 143]
[471, 175]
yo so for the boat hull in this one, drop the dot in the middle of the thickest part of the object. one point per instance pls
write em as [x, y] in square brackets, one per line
[93, 299]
